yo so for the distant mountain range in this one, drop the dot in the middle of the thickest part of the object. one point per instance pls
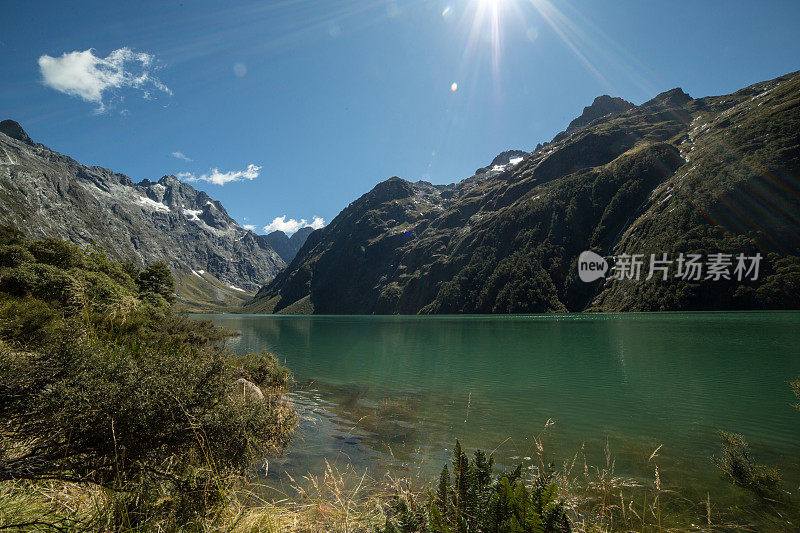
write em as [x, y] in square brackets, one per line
[46, 194]
[287, 247]
[675, 175]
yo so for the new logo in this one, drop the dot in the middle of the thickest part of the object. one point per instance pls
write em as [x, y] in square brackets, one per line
[591, 266]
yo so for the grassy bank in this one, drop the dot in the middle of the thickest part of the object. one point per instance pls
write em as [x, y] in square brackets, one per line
[470, 495]
[571, 497]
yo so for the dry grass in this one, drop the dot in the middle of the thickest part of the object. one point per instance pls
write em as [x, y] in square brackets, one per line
[345, 500]
[336, 501]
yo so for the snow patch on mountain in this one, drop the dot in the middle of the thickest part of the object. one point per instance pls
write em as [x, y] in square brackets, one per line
[152, 204]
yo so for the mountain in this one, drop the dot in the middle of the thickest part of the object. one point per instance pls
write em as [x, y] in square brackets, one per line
[602, 106]
[673, 175]
[287, 247]
[47, 194]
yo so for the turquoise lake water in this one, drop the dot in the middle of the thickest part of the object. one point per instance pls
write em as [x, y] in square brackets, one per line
[392, 393]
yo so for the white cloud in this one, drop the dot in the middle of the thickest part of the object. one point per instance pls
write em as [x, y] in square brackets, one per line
[88, 77]
[291, 226]
[221, 178]
[181, 155]
[250, 227]
[317, 222]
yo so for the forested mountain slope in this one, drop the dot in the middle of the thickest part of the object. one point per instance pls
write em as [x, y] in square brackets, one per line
[673, 175]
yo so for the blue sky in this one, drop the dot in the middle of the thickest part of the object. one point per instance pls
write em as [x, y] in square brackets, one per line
[295, 108]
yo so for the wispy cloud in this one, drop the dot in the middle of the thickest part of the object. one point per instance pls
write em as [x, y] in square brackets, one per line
[89, 77]
[221, 178]
[181, 155]
[250, 227]
[291, 226]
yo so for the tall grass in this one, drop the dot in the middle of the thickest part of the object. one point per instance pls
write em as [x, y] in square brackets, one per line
[345, 499]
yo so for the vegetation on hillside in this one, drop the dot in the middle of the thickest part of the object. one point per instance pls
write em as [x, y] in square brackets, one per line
[108, 392]
[673, 175]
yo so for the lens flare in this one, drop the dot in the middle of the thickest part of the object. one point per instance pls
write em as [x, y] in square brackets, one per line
[454, 87]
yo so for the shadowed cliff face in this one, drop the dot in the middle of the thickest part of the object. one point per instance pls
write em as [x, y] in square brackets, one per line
[46, 194]
[675, 174]
[602, 106]
[15, 131]
[287, 247]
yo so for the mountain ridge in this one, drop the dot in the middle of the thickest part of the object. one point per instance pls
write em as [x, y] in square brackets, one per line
[507, 241]
[47, 194]
[286, 246]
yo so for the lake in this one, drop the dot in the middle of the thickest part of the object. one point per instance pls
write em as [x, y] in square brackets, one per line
[392, 393]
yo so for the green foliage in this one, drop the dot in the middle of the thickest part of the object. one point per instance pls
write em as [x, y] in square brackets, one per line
[476, 500]
[795, 385]
[12, 255]
[57, 253]
[10, 235]
[103, 386]
[29, 322]
[739, 468]
[157, 279]
[262, 368]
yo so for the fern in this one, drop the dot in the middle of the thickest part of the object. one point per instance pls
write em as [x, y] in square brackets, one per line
[476, 500]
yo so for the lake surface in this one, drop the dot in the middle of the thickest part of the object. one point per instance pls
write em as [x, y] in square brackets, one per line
[389, 392]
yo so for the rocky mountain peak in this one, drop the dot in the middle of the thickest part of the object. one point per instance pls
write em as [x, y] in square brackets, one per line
[139, 222]
[392, 189]
[668, 99]
[508, 241]
[287, 247]
[169, 180]
[15, 131]
[603, 105]
[503, 159]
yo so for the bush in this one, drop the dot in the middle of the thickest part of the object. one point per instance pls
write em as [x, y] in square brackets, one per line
[476, 501]
[57, 253]
[263, 370]
[113, 414]
[28, 322]
[103, 386]
[12, 255]
[157, 279]
[738, 466]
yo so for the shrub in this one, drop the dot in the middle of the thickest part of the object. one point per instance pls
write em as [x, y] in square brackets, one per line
[103, 386]
[157, 279]
[739, 467]
[262, 368]
[58, 253]
[476, 501]
[12, 255]
[28, 322]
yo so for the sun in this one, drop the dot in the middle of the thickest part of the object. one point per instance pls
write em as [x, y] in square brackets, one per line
[491, 4]
[487, 22]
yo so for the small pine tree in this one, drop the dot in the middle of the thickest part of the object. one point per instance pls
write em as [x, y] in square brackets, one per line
[442, 494]
[157, 279]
